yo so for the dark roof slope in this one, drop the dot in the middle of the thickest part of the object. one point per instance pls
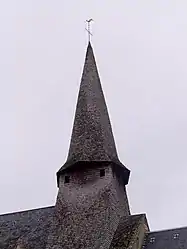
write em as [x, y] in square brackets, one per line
[167, 239]
[92, 138]
[26, 229]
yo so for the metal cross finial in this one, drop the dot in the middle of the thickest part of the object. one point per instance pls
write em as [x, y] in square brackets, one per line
[88, 28]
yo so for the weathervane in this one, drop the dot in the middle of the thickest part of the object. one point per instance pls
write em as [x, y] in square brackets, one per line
[88, 28]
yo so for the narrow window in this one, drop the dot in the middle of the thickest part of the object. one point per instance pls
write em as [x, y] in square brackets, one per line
[176, 236]
[102, 172]
[67, 178]
[152, 239]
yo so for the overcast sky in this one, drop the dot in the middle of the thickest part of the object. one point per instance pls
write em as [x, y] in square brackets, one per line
[141, 53]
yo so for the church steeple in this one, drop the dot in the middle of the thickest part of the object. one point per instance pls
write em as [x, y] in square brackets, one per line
[92, 139]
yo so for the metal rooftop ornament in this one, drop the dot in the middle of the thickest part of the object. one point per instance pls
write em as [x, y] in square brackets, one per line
[88, 28]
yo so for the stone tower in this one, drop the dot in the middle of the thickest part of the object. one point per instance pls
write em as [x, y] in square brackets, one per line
[92, 195]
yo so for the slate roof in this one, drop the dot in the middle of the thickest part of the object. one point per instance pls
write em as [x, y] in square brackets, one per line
[92, 138]
[30, 229]
[26, 229]
[167, 239]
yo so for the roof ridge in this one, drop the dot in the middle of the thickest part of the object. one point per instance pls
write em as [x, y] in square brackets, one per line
[169, 229]
[24, 211]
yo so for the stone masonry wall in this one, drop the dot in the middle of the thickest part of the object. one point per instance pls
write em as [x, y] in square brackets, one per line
[138, 234]
[88, 210]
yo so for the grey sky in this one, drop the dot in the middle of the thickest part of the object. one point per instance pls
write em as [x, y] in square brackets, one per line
[141, 51]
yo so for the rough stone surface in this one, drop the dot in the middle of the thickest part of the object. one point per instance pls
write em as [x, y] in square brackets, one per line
[130, 232]
[30, 230]
[88, 210]
[25, 230]
[92, 138]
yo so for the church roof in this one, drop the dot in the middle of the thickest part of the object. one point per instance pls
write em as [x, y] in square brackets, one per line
[92, 138]
[26, 229]
[167, 239]
[30, 229]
